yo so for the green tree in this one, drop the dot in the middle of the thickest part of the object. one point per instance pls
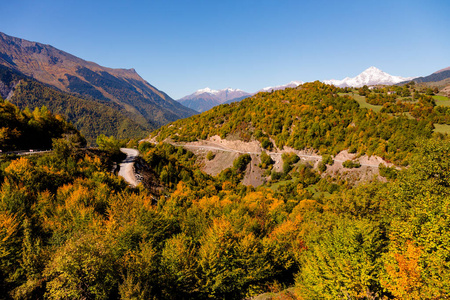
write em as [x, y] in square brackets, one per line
[210, 155]
[266, 161]
[109, 144]
[343, 263]
[84, 268]
[240, 163]
[418, 259]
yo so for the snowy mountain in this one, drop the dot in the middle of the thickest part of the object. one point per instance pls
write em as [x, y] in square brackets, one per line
[205, 99]
[371, 76]
[291, 84]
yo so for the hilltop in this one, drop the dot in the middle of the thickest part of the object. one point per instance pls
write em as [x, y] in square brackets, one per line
[314, 115]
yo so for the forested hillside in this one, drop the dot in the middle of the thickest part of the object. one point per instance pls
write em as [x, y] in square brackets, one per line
[92, 117]
[143, 103]
[315, 115]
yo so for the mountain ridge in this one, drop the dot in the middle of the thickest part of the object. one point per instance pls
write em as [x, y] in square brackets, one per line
[90, 117]
[69, 73]
[291, 84]
[434, 77]
[206, 98]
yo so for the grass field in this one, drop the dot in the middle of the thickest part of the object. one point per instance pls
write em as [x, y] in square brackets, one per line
[362, 102]
[442, 128]
[442, 100]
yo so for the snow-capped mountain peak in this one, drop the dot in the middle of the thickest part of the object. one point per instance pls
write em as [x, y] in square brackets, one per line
[370, 76]
[206, 90]
[207, 98]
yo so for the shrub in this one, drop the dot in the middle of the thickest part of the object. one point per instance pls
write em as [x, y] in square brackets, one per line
[388, 172]
[210, 155]
[241, 162]
[266, 160]
[349, 164]
[289, 159]
[327, 160]
[322, 166]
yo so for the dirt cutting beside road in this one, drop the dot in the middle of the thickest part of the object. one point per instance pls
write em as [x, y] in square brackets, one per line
[226, 151]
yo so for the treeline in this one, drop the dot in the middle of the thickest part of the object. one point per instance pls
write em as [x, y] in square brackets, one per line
[314, 116]
[421, 106]
[25, 129]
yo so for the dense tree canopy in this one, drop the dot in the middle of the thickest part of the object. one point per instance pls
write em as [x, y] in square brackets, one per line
[23, 129]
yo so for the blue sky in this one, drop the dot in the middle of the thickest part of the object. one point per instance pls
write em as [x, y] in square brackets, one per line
[181, 46]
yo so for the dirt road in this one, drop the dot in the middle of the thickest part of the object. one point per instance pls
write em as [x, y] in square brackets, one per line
[126, 167]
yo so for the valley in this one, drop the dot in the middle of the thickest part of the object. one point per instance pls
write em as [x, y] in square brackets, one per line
[311, 190]
[120, 98]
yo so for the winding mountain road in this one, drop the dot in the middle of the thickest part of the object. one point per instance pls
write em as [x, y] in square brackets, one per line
[226, 149]
[126, 167]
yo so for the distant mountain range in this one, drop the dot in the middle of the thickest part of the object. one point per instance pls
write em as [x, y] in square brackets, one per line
[122, 89]
[205, 99]
[291, 84]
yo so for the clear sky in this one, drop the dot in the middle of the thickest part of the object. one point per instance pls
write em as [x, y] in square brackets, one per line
[181, 46]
